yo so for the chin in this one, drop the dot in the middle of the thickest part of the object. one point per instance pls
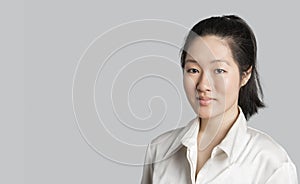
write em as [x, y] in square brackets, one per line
[208, 112]
[205, 114]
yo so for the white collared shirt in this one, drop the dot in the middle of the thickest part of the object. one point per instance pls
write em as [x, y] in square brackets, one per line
[245, 155]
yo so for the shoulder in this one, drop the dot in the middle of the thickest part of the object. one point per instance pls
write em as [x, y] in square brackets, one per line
[167, 137]
[266, 148]
[162, 144]
[270, 158]
[169, 142]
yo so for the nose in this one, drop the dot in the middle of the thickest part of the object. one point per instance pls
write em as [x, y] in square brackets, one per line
[203, 83]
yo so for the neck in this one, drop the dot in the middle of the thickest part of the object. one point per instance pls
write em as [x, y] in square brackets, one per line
[213, 130]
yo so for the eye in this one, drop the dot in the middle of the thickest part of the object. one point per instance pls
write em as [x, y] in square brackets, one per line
[193, 70]
[219, 71]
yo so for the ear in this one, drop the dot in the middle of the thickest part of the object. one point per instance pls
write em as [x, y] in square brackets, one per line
[246, 76]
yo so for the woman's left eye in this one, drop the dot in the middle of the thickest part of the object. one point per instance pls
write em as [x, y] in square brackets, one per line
[218, 71]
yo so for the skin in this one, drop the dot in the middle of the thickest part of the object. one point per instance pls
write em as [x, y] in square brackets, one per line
[210, 71]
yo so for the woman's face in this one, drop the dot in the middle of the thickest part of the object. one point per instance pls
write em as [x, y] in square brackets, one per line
[211, 77]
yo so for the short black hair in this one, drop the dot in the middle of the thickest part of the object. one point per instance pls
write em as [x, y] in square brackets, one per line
[242, 43]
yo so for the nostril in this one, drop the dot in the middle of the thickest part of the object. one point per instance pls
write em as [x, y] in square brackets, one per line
[203, 87]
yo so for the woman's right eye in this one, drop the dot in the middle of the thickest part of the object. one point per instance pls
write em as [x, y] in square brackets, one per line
[193, 70]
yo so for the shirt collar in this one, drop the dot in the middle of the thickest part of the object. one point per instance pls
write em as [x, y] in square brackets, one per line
[232, 144]
[187, 137]
[235, 140]
[190, 137]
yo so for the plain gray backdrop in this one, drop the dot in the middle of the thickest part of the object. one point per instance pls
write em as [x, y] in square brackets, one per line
[56, 35]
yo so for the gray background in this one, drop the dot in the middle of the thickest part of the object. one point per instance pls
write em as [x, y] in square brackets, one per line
[56, 35]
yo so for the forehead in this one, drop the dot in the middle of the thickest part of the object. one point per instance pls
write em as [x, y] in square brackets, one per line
[209, 48]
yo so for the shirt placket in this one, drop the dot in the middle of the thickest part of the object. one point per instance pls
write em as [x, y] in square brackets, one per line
[192, 159]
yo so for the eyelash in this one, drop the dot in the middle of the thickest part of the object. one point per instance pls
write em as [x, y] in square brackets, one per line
[217, 71]
[189, 70]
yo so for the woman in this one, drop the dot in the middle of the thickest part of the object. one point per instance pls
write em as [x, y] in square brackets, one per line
[222, 85]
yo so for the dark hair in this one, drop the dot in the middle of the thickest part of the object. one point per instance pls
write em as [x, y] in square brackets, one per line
[242, 43]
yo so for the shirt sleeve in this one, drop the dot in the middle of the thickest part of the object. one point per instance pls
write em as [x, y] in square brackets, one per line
[287, 174]
[148, 167]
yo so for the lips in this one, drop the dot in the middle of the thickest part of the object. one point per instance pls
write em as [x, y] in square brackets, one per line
[205, 98]
[204, 101]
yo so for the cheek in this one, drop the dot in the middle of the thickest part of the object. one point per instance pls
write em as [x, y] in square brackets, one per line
[189, 87]
[231, 87]
[227, 85]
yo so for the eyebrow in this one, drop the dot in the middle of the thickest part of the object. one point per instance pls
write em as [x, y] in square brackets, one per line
[213, 61]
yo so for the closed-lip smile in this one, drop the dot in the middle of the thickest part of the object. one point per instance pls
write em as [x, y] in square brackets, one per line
[205, 98]
[204, 101]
